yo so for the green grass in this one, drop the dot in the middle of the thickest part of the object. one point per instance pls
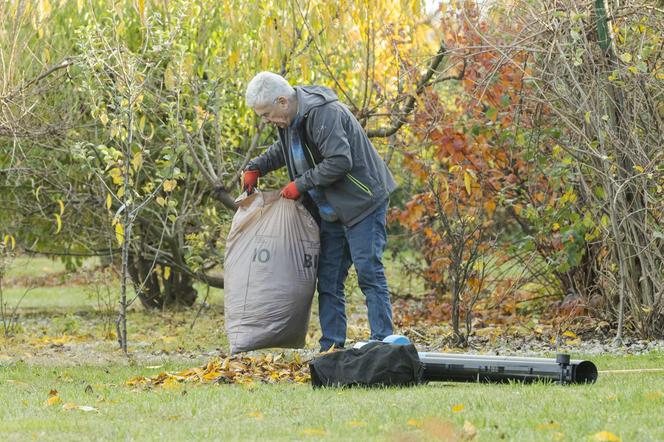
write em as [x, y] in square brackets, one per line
[35, 265]
[627, 405]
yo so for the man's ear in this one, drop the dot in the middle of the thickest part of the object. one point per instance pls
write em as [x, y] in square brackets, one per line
[283, 101]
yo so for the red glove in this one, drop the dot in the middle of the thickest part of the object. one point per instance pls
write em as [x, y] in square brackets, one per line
[250, 178]
[290, 191]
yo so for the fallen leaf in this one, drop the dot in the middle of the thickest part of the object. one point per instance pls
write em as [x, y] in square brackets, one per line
[606, 436]
[69, 406]
[314, 432]
[414, 423]
[53, 400]
[441, 430]
[551, 425]
[53, 392]
[170, 383]
[256, 414]
[457, 408]
[469, 430]
[653, 395]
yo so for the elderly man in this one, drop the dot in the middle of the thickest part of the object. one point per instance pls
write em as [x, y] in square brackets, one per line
[331, 162]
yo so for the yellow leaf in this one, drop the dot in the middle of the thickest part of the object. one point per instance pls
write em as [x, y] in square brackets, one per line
[69, 406]
[457, 408]
[414, 423]
[555, 227]
[116, 175]
[212, 376]
[170, 383]
[570, 334]
[256, 414]
[141, 9]
[639, 169]
[161, 201]
[104, 119]
[137, 161]
[490, 206]
[119, 233]
[587, 117]
[53, 400]
[62, 207]
[37, 193]
[467, 180]
[551, 425]
[167, 272]
[653, 395]
[606, 436]
[8, 239]
[109, 201]
[169, 185]
[313, 432]
[58, 222]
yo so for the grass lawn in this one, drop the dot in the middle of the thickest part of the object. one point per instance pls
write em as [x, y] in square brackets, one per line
[65, 342]
[628, 405]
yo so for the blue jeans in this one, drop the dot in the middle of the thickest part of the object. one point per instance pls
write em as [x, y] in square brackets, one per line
[363, 245]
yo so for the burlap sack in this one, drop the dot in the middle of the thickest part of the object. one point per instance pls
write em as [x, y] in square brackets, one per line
[269, 273]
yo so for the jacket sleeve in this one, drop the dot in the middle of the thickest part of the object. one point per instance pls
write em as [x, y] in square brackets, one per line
[271, 159]
[326, 129]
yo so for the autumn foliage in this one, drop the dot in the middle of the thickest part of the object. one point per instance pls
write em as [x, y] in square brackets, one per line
[478, 176]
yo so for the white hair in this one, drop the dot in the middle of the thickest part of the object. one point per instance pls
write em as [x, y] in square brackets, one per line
[265, 87]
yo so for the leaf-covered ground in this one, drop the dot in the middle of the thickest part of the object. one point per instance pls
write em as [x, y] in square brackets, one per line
[63, 377]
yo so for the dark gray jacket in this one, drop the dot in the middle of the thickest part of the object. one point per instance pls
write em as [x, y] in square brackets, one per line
[343, 162]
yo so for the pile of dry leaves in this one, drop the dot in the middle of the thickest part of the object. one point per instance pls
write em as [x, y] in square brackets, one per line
[245, 370]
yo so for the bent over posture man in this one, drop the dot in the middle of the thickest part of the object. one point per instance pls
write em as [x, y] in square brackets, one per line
[331, 162]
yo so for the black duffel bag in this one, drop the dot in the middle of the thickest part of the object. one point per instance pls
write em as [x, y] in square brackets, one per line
[373, 364]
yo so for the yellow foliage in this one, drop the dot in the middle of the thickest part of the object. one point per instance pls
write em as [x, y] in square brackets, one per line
[119, 233]
[170, 185]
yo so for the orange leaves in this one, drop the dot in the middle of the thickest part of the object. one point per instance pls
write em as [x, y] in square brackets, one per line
[411, 216]
[232, 370]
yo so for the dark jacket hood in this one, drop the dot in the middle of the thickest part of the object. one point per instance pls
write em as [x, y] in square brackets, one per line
[309, 97]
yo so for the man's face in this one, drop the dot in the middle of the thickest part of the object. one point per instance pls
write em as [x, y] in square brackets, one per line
[276, 113]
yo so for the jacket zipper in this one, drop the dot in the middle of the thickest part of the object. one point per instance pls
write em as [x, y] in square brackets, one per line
[354, 180]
